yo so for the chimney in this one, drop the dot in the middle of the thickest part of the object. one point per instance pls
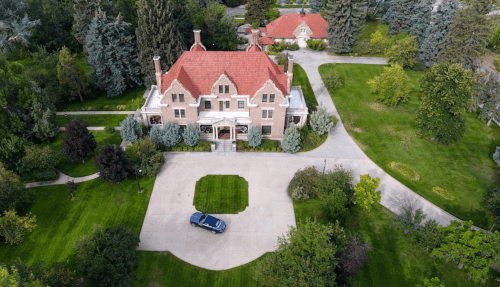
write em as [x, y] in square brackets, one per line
[255, 36]
[289, 73]
[156, 60]
[197, 36]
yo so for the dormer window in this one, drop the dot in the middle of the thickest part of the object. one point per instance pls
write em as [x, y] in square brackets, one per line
[181, 98]
[264, 98]
[271, 98]
[174, 97]
[221, 89]
[208, 105]
[226, 89]
[303, 30]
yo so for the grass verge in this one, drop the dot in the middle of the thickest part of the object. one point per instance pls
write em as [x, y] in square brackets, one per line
[93, 120]
[78, 169]
[61, 222]
[464, 168]
[300, 79]
[226, 194]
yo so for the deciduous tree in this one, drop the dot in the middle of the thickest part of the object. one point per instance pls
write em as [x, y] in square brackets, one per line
[392, 86]
[78, 142]
[256, 11]
[345, 19]
[291, 140]
[71, 76]
[13, 194]
[112, 164]
[14, 227]
[335, 205]
[446, 94]
[304, 257]
[40, 162]
[145, 155]
[365, 192]
[403, 52]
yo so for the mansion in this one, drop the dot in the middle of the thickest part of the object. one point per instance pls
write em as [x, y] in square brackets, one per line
[225, 93]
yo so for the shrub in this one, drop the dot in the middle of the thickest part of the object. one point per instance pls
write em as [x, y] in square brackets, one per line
[179, 149]
[392, 86]
[273, 14]
[320, 121]
[255, 25]
[338, 178]
[14, 227]
[240, 145]
[121, 107]
[428, 235]
[112, 164]
[191, 135]
[443, 192]
[171, 134]
[405, 170]
[282, 59]
[497, 63]
[130, 129]
[156, 135]
[335, 205]
[279, 149]
[291, 140]
[13, 193]
[109, 129]
[273, 149]
[496, 155]
[304, 183]
[419, 67]
[365, 192]
[254, 137]
[204, 146]
[332, 80]
[40, 162]
[71, 186]
[403, 52]
[377, 42]
[318, 45]
[434, 282]
[268, 144]
[108, 256]
[352, 259]
[145, 155]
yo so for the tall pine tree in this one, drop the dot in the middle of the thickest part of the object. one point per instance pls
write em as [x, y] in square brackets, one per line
[421, 20]
[316, 6]
[157, 35]
[257, 11]
[112, 53]
[399, 15]
[345, 19]
[85, 11]
[71, 76]
[440, 21]
[466, 40]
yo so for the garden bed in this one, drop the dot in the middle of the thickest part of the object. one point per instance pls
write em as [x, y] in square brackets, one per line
[202, 145]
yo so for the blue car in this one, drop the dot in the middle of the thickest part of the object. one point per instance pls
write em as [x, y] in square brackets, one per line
[208, 222]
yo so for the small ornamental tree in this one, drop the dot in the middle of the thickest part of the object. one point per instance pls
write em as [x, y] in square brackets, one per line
[71, 186]
[475, 249]
[108, 256]
[78, 142]
[365, 192]
[254, 137]
[304, 257]
[14, 227]
[392, 86]
[71, 76]
[12, 192]
[191, 135]
[112, 164]
[403, 52]
[320, 121]
[44, 118]
[291, 140]
[171, 134]
[156, 134]
[130, 129]
[352, 259]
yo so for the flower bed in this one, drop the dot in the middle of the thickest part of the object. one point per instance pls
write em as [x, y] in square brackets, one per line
[405, 170]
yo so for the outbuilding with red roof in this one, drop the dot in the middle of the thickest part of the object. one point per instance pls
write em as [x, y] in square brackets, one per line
[297, 28]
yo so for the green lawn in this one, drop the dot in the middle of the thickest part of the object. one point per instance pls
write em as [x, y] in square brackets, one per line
[465, 168]
[93, 120]
[226, 194]
[164, 269]
[370, 27]
[61, 222]
[77, 169]
[300, 79]
[392, 260]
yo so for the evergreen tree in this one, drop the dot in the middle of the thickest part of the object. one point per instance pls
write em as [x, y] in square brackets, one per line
[345, 19]
[171, 134]
[399, 16]
[15, 25]
[130, 129]
[254, 137]
[291, 140]
[256, 11]
[435, 33]
[184, 22]
[156, 134]
[112, 164]
[191, 135]
[157, 35]
[446, 93]
[320, 121]
[112, 53]
[421, 20]
[44, 118]
[78, 142]
[496, 155]
[466, 40]
[487, 96]
[85, 11]
[316, 6]
[71, 76]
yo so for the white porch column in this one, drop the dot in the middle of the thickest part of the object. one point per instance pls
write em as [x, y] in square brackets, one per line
[213, 132]
[231, 133]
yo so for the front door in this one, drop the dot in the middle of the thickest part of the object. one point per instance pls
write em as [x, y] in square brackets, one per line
[221, 106]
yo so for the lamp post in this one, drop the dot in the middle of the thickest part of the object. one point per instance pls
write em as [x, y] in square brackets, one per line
[137, 170]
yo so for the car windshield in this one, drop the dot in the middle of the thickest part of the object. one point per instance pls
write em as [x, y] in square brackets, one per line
[202, 217]
[212, 221]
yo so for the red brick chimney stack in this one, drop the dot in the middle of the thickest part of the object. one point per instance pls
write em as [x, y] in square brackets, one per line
[289, 73]
[197, 39]
[255, 36]
[156, 60]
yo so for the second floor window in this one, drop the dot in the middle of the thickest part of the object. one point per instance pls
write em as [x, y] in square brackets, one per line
[226, 89]
[174, 97]
[271, 98]
[264, 98]
[241, 104]
[180, 113]
[208, 105]
[220, 89]
[181, 98]
[267, 114]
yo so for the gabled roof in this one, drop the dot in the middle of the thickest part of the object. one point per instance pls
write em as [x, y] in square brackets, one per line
[197, 47]
[198, 71]
[254, 48]
[266, 41]
[284, 26]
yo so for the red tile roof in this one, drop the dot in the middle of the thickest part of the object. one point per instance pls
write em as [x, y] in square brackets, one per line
[266, 41]
[284, 26]
[254, 48]
[198, 71]
[197, 47]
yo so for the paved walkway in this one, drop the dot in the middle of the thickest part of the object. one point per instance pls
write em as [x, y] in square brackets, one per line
[62, 179]
[96, 113]
[91, 128]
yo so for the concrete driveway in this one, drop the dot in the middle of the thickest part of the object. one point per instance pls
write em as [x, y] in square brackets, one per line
[249, 234]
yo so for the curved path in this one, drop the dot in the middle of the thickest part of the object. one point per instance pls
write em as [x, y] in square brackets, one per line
[254, 231]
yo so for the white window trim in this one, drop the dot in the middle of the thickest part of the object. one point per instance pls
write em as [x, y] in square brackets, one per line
[180, 115]
[266, 125]
[267, 113]
[239, 104]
